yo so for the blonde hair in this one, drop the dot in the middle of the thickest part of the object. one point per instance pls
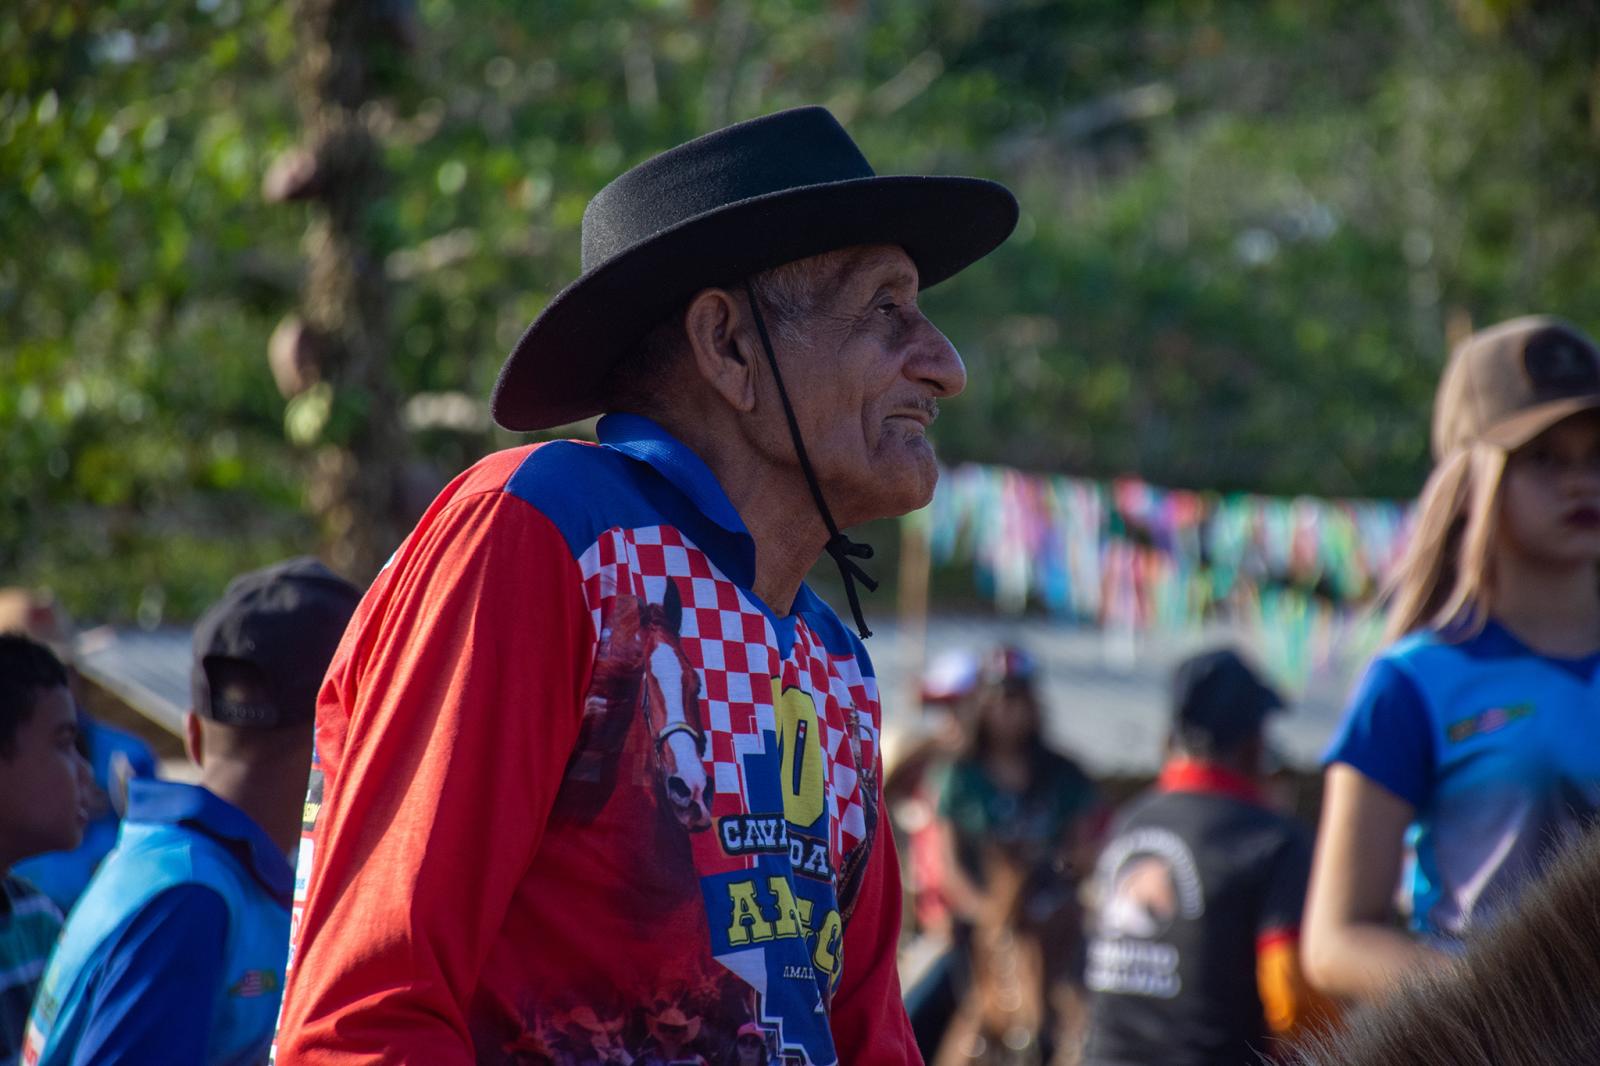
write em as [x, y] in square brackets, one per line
[1444, 581]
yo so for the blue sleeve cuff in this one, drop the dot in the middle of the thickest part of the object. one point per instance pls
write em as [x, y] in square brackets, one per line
[1387, 734]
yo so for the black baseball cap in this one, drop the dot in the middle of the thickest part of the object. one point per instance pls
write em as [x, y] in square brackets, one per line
[285, 621]
[1217, 693]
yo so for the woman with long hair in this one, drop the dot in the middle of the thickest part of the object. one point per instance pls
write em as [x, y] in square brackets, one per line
[1017, 821]
[1475, 735]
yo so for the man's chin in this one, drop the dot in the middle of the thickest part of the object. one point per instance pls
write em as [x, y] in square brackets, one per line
[909, 487]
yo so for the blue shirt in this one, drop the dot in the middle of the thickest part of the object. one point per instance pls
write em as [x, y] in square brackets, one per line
[1497, 750]
[168, 957]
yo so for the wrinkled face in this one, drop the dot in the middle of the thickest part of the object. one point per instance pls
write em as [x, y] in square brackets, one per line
[1550, 497]
[865, 379]
[45, 785]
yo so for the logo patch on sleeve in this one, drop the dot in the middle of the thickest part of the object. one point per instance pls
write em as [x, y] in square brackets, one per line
[254, 983]
[1489, 721]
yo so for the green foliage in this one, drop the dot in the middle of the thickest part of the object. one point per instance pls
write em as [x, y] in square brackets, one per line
[140, 275]
[1245, 231]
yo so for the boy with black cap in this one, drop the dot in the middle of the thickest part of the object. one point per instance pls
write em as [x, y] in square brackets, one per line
[1194, 959]
[176, 952]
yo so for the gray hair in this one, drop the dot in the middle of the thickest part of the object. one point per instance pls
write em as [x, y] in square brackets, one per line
[788, 295]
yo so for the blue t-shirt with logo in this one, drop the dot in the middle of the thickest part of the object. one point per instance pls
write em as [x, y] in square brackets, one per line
[1496, 747]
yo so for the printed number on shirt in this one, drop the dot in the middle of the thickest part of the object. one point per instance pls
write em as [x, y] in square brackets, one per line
[800, 748]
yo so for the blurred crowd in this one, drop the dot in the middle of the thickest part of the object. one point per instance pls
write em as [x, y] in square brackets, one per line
[1164, 930]
[1209, 929]
[177, 893]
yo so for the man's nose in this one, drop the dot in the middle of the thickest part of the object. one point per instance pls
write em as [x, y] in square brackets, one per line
[936, 362]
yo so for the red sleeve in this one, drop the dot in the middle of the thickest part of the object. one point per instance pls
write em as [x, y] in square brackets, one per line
[870, 1026]
[459, 692]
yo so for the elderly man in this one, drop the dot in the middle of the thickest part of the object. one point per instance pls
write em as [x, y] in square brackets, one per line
[592, 757]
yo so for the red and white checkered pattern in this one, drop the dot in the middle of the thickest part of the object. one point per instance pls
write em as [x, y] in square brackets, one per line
[847, 704]
[734, 649]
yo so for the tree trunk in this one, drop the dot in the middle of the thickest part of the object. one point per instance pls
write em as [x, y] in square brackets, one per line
[358, 444]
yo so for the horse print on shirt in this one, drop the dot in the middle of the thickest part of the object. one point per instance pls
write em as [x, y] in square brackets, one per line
[641, 672]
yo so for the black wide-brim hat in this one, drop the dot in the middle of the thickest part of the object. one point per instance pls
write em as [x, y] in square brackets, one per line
[717, 209]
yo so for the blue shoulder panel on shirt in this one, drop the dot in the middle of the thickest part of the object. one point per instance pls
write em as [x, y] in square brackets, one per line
[826, 624]
[1387, 731]
[585, 490]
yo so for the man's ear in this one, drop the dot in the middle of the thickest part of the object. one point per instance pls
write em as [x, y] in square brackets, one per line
[193, 738]
[714, 324]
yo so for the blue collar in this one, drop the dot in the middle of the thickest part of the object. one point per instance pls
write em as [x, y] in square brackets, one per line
[173, 803]
[644, 441]
[1500, 642]
[639, 438]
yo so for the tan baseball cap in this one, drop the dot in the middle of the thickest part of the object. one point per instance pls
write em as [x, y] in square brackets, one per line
[1509, 383]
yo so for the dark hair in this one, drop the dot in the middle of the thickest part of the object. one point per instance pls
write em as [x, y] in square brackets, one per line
[27, 668]
[1197, 742]
[979, 742]
[1526, 993]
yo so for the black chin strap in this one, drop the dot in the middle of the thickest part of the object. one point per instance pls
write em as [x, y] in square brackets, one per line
[845, 551]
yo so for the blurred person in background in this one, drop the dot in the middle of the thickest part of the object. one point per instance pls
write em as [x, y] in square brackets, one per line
[1018, 824]
[1475, 728]
[914, 769]
[175, 953]
[115, 757]
[1194, 956]
[44, 788]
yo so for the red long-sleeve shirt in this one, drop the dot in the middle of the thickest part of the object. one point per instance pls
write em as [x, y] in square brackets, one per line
[581, 798]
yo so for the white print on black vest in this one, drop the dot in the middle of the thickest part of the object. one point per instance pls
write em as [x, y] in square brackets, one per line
[1148, 880]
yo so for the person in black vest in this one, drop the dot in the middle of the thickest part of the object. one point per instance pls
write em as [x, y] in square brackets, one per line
[1194, 956]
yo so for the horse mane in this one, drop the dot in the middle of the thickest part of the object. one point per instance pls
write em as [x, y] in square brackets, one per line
[620, 658]
[1526, 992]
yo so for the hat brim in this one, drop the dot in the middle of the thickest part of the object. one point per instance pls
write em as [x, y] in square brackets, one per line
[554, 374]
[1519, 429]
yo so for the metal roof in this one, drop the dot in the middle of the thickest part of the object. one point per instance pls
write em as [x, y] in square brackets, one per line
[146, 669]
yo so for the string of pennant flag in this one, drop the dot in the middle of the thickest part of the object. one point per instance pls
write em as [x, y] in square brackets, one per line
[1127, 555]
